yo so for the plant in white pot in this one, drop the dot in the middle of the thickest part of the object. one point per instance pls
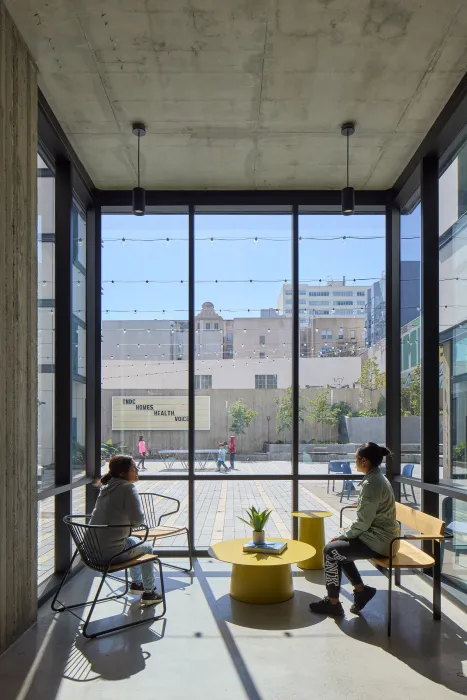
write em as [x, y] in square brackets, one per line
[257, 521]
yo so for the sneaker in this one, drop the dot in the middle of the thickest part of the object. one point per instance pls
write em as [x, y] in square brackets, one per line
[325, 607]
[136, 588]
[361, 598]
[150, 598]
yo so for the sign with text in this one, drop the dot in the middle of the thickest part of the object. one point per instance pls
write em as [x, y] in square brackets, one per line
[158, 413]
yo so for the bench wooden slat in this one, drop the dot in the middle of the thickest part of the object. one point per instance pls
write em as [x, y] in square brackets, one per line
[421, 522]
[142, 559]
[408, 557]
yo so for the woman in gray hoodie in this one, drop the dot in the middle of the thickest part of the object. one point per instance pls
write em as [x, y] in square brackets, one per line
[119, 504]
[368, 537]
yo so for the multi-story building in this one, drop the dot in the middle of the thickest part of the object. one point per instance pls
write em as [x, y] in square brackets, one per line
[334, 299]
[333, 337]
[409, 301]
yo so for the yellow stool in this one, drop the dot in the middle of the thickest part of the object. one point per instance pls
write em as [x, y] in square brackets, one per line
[312, 532]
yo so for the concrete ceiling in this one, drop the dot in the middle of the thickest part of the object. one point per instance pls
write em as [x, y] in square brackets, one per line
[246, 94]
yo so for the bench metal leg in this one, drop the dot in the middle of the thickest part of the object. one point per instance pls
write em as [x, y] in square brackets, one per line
[397, 575]
[389, 600]
[437, 581]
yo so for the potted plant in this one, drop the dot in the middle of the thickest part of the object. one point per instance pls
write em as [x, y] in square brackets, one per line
[257, 520]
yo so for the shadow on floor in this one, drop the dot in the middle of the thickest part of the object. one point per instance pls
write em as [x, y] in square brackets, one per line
[434, 649]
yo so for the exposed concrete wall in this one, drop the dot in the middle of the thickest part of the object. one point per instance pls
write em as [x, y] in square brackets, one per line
[260, 400]
[374, 429]
[18, 331]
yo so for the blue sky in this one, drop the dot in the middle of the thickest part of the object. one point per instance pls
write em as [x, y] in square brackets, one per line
[234, 262]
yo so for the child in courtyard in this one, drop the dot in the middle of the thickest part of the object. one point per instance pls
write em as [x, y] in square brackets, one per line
[221, 458]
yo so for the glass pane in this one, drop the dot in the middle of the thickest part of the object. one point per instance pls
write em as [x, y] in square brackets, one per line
[220, 503]
[342, 311]
[410, 342]
[45, 539]
[145, 340]
[45, 324]
[453, 557]
[78, 345]
[453, 324]
[78, 507]
[329, 496]
[243, 343]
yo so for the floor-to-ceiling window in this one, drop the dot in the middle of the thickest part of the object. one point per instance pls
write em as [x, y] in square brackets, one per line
[453, 360]
[342, 317]
[243, 359]
[410, 351]
[46, 363]
[145, 352]
[243, 370]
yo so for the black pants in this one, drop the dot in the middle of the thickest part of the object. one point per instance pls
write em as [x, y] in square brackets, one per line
[339, 556]
[232, 460]
[141, 462]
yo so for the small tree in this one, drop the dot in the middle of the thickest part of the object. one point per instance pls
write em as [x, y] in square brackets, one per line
[321, 411]
[241, 417]
[410, 394]
[370, 380]
[284, 415]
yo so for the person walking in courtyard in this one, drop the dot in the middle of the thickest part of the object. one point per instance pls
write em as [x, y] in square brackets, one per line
[232, 451]
[369, 536]
[221, 458]
[142, 450]
[119, 505]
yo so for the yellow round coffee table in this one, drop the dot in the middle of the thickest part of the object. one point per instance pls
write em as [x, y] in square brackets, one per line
[261, 578]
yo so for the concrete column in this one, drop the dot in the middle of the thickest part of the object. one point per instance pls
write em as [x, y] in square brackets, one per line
[18, 332]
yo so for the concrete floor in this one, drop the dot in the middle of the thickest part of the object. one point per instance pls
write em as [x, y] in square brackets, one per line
[211, 646]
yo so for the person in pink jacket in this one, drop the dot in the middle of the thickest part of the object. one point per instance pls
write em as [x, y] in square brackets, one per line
[142, 453]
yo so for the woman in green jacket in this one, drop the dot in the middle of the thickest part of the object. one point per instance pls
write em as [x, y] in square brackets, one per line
[369, 536]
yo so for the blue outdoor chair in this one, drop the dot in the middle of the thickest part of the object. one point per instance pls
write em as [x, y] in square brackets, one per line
[407, 470]
[337, 466]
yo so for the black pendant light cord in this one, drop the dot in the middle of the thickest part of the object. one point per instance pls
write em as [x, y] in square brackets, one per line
[139, 139]
[348, 156]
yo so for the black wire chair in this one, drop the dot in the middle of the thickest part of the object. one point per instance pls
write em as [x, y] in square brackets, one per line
[156, 530]
[87, 541]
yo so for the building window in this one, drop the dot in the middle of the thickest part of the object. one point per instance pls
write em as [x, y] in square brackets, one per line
[288, 293]
[216, 326]
[360, 294]
[229, 336]
[262, 355]
[266, 381]
[323, 335]
[352, 334]
[262, 339]
[198, 325]
[344, 303]
[319, 294]
[203, 381]
[341, 334]
[329, 335]
[208, 326]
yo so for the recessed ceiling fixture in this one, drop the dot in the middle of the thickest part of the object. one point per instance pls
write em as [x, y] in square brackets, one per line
[139, 194]
[348, 193]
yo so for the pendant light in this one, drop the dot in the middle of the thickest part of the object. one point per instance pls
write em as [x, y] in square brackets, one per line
[139, 194]
[348, 193]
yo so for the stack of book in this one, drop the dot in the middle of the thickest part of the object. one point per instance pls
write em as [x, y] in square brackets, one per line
[265, 548]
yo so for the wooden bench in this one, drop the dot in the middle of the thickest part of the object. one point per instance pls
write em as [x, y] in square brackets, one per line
[405, 555]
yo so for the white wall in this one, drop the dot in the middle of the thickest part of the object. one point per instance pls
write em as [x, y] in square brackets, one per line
[228, 374]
